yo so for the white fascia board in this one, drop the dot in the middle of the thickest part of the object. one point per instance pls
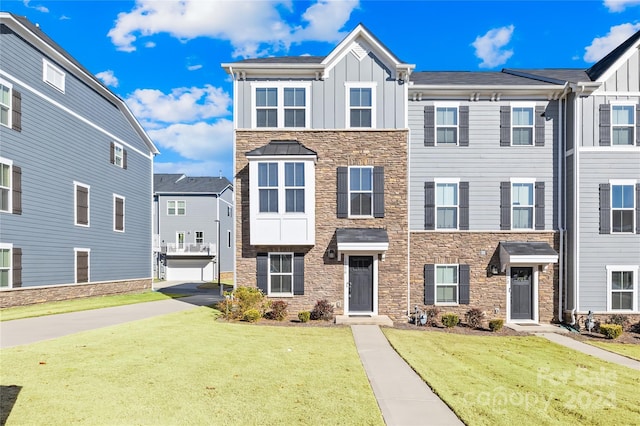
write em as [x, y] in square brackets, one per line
[362, 247]
[621, 60]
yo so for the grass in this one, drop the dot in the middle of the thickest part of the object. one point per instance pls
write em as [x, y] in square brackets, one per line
[501, 380]
[186, 368]
[625, 349]
[84, 304]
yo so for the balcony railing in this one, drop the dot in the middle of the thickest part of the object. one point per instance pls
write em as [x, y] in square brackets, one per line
[189, 249]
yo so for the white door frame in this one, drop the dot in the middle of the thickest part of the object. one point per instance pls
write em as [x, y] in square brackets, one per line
[534, 284]
[375, 256]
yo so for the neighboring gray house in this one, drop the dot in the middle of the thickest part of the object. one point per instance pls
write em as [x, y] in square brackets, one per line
[192, 227]
[75, 177]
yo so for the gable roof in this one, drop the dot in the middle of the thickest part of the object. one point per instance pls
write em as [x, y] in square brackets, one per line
[609, 61]
[277, 148]
[35, 36]
[165, 183]
[470, 78]
[551, 75]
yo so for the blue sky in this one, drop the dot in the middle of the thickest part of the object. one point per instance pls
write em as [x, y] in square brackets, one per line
[163, 57]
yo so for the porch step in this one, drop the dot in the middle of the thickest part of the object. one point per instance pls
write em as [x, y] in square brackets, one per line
[364, 320]
[537, 328]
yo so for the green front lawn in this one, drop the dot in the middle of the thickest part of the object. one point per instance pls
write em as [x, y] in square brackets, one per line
[501, 380]
[625, 349]
[187, 368]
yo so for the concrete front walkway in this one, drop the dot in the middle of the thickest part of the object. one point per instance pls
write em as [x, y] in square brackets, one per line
[404, 398]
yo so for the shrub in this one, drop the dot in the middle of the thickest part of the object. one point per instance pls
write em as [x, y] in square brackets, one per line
[618, 319]
[252, 315]
[278, 311]
[496, 324]
[240, 301]
[304, 316]
[323, 310]
[474, 318]
[450, 320]
[432, 316]
[611, 331]
[635, 328]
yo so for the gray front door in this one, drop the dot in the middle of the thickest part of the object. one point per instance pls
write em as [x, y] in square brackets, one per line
[360, 284]
[521, 293]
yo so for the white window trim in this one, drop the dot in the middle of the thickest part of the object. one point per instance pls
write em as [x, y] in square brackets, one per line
[176, 207]
[435, 285]
[117, 146]
[532, 182]
[10, 105]
[9, 163]
[455, 105]
[360, 85]
[46, 65]
[623, 182]
[531, 105]
[269, 292]
[632, 104]
[75, 204]
[280, 86]
[285, 187]
[9, 246]
[623, 268]
[75, 263]
[282, 188]
[457, 206]
[359, 216]
[278, 188]
[184, 240]
[116, 196]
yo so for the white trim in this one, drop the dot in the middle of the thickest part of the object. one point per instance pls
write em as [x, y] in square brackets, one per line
[438, 181]
[348, 85]
[280, 107]
[374, 256]
[50, 73]
[360, 216]
[435, 285]
[526, 181]
[632, 125]
[532, 126]
[455, 105]
[8, 246]
[9, 163]
[10, 105]
[75, 204]
[632, 184]
[269, 292]
[534, 296]
[117, 146]
[116, 196]
[623, 268]
[615, 148]
[176, 207]
[75, 264]
[621, 60]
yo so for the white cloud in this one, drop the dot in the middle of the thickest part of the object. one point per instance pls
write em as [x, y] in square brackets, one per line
[194, 67]
[489, 47]
[39, 8]
[108, 78]
[601, 46]
[185, 104]
[254, 28]
[194, 168]
[196, 141]
[620, 5]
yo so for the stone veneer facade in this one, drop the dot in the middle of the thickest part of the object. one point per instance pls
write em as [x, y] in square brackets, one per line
[486, 293]
[30, 295]
[323, 277]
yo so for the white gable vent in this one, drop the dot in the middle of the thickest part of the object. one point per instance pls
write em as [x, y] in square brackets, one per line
[359, 50]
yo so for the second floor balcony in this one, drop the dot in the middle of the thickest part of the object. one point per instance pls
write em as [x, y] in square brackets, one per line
[189, 249]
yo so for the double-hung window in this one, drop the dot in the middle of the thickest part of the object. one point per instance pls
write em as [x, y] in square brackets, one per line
[522, 125]
[266, 107]
[5, 185]
[447, 125]
[5, 104]
[118, 155]
[268, 187]
[176, 207]
[280, 274]
[294, 187]
[6, 271]
[522, 208]
[622, 283]
[622, 207]
[623, 124]
[199, 237]
[360, 191]
[446, 205]
[361, 105]
[281, 105]
[294, 107]
[53, 75]
[446, 281]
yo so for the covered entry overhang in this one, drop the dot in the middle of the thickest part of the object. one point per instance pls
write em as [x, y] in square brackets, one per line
[362, 240]
[522, 253]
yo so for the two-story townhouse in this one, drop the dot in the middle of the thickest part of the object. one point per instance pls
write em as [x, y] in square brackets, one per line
[75, 177]
[193, 227]
[321, 170]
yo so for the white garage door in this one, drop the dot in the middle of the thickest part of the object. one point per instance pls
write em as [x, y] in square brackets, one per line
[189, 270]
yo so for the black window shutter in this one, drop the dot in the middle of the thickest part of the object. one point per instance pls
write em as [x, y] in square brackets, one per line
[112, 153]
[16, 265]
[429, 205]
[464, 284]
[637, 208]
[429, 284]
[298, 274]
[539, 205]
[637, 134]
[378, 191]
[16, 175]
[124, 158]
[16, 111]
[605, 206]
[343, 192]
[505, 206]
[505, 125]
[539, 124]
[262, 269]
[463, 223]
[605, 125]
[463, 125]
[429, 126]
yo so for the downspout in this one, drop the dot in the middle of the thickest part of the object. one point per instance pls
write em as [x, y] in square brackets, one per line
[561, 200]
[408, 177]
[233, 179]
[576, 203]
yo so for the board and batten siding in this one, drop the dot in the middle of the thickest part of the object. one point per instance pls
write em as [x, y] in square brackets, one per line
[625, 78]
[598, 250]
[484, 164]
[328, 100]
[590, 115]
[56, 149]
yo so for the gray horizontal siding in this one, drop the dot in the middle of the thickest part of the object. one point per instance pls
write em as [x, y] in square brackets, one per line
[484, 164]
[590, 123]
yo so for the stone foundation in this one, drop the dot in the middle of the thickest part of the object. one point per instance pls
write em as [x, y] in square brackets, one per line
[32, 295]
